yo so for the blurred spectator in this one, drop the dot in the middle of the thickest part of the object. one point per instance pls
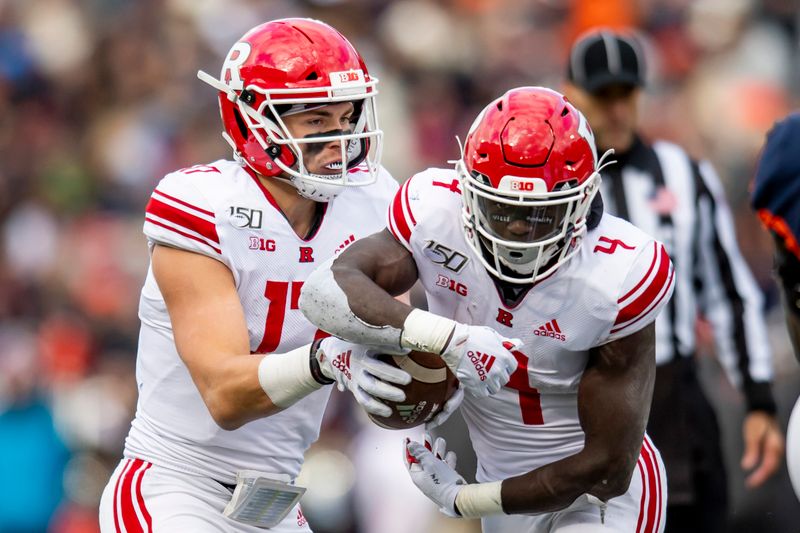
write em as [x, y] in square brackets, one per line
[32, 454]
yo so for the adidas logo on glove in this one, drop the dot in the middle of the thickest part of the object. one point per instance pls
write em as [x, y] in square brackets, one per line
[482, 362]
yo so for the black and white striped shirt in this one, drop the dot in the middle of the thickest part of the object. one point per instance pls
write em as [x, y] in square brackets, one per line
[661, 190]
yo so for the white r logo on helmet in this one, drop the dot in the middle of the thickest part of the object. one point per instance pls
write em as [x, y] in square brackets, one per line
[230, 68]
[586, 133]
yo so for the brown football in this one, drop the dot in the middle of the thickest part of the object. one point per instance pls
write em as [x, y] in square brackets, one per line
[431, 385]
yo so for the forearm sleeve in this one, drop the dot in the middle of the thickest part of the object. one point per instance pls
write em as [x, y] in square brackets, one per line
[325, 305]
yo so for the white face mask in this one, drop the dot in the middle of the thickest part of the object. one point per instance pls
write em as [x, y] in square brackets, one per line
[550, 226]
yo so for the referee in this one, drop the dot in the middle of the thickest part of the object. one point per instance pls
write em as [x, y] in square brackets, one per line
[660, 189]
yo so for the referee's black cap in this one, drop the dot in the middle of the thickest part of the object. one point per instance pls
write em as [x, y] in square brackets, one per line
[605, 57]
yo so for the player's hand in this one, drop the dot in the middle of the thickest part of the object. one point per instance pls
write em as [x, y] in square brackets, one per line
[763, 447]
[433, 471]
[354, 367]
[449, 407]
[480, 358]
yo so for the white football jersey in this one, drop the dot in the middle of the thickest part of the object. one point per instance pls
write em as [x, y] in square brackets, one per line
[615, 285]
[224, 212]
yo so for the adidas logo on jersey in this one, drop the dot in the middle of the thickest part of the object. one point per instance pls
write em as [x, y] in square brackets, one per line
[551, 330]
[410, 413]
[347, 242]
[482, 362]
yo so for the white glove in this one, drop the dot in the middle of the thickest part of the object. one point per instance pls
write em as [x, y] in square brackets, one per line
[480, 358]
[434, 472]
[354, 367]
[449, 407]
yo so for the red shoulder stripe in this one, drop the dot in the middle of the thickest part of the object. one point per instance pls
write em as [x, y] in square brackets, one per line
[187, 204]
[183, 218]
[637, 306]
[179, 232]
[655, 304]
[649, 270]
[397, 215]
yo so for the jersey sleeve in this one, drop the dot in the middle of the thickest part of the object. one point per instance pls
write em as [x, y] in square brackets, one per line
[179, 215]
[646, 290]
[424, 198]
[400, 216]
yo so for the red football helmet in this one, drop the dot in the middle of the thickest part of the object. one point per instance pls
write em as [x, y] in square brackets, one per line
[529, 172]
[288, 66]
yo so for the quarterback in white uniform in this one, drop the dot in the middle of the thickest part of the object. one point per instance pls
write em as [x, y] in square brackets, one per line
[515, 238]
[230, 390]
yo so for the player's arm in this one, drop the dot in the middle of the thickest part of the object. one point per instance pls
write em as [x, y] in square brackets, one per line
[352, 298]
[211, 337]
[613, 405]
[371, 272]
[211, 334]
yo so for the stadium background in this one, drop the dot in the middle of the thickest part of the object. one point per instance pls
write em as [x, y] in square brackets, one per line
[99, 99]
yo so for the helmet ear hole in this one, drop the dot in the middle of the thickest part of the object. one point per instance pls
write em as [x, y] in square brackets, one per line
[240, 122]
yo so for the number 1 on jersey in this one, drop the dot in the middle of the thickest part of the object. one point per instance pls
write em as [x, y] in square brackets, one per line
[530, 402]
[276, 292]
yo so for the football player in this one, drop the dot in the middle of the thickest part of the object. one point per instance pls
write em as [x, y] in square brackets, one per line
[230, 392]
[776, 200]
[515, 238]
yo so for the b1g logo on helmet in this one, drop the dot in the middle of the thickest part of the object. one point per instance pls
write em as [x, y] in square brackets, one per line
[233, 62]
[347, 82]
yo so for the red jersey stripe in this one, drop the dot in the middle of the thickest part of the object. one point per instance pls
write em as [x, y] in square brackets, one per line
[636, 307]
[179, 232]
[399, 217]
[649, 270]
[407, 204]
[655, 304]
[182, 218]
[187, 204]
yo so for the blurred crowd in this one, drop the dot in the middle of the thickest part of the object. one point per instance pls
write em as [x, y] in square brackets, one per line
[99, 99]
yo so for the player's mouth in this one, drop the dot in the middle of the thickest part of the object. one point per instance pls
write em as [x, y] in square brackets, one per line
[332, 167]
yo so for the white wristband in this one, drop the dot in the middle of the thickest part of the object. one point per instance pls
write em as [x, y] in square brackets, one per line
[286, 377]
[480, 499]
[426, 332]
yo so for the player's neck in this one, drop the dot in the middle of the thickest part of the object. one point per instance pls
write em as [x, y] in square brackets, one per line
[301, 213]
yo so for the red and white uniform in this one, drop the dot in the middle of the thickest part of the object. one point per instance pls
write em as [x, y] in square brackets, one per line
[615, 285]
[222, 211]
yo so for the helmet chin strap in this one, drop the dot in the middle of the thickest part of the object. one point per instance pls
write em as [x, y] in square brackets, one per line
[318, 192]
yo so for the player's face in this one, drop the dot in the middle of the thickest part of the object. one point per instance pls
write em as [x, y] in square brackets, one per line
[334, 119]
[612, 113]
[522, 223]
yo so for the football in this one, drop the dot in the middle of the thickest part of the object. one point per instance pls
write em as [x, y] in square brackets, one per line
[431, 385]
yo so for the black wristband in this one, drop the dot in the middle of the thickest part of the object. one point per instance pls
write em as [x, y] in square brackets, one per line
[759, 396]
[313, 364]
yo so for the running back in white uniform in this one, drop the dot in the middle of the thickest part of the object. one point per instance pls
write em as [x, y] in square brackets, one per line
[221, 210]
[615, 285]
